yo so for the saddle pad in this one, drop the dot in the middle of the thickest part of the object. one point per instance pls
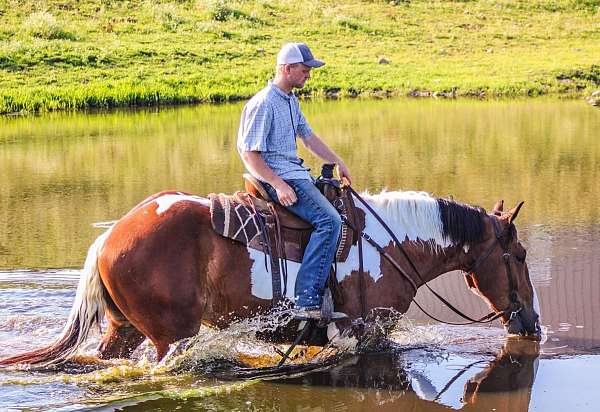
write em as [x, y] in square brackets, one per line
[233, 219]
[241, 217]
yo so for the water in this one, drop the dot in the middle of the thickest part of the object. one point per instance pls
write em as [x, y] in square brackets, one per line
[61, 173]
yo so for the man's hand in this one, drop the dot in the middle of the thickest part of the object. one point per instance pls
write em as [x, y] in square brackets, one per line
[285, 194]
[344, 174]
[316, 145]
[257, 166]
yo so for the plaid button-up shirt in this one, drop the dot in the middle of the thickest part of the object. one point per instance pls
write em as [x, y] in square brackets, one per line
[270, 122]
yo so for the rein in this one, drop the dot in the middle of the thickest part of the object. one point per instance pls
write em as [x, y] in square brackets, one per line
[505, 257]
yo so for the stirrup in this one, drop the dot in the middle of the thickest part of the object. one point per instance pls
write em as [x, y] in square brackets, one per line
[324, 315]
[335, 316]
[327, 312]
[318, 315]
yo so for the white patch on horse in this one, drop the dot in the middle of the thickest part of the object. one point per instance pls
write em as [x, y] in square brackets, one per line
[166, 201]
[261, 280]
[410, 215]
[536, 305]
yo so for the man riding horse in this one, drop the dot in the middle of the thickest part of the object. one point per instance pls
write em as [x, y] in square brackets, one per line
[269, 125]
[162, 270]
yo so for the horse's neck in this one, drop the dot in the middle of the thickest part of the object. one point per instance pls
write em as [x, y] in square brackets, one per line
[431, 262]
[421, 233]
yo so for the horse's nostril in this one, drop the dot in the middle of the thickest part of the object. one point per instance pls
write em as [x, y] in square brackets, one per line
[532, 324]
[515, 326]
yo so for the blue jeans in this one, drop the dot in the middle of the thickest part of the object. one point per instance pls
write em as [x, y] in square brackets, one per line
[313, 207]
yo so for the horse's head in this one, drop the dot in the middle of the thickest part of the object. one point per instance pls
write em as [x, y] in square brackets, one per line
[497, 271]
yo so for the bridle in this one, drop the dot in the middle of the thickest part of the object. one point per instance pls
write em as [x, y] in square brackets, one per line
[514, 306]
[500, 239]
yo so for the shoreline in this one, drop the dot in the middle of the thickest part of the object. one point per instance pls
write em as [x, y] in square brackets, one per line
[586, 94]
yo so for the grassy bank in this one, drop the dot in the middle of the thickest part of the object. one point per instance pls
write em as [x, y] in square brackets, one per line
[103, 53]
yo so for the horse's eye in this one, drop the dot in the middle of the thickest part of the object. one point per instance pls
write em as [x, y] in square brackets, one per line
[521, 257]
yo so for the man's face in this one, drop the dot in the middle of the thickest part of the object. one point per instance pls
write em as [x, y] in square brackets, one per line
[298, 74]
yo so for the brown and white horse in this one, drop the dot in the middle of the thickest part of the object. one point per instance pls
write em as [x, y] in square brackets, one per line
[161, 271]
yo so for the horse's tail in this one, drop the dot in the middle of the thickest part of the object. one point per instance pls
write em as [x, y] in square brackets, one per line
[87, 310]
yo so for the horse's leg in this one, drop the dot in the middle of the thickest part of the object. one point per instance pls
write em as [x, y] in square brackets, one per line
[121, 338]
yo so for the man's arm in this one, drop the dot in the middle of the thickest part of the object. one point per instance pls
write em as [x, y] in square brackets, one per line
[316, 145]
[257, 166]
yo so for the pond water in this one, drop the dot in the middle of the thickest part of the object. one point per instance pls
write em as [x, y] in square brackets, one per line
[61, 173]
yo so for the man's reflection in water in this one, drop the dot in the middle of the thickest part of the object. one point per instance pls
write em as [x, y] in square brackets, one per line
[408, 381]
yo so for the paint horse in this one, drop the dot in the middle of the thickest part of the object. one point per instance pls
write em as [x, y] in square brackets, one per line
[161, 272]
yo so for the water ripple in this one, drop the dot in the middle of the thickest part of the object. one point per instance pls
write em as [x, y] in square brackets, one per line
[32, 278]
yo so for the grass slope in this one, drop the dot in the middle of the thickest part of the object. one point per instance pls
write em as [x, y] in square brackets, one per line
[78, 54]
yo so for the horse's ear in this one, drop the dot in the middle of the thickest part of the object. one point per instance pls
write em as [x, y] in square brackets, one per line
[514, 212]
[498, 208]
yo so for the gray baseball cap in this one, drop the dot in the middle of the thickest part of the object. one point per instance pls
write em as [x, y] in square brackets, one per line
[297, 53]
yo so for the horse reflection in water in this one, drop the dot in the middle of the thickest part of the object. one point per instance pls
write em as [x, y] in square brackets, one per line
[389, 381]
[506, 383]
[161, 272]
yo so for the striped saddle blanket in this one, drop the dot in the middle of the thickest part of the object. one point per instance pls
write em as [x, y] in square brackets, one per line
[260, 225]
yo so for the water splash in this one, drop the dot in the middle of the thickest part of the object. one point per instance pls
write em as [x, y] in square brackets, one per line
[409, 334]
[237, 344]
[234, 353]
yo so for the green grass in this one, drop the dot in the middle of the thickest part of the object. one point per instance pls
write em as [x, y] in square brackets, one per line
[57, 55]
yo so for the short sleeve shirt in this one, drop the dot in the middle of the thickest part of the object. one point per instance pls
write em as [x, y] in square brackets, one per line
[270, 123]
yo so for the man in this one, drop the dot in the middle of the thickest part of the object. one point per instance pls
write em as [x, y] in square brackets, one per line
[270, 123]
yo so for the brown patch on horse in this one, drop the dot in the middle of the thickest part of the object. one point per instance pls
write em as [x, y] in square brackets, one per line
[119, 341]
[392, 289]
[149, 267]
[169, 273]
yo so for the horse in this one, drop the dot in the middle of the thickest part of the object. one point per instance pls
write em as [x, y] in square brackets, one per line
[161, 272]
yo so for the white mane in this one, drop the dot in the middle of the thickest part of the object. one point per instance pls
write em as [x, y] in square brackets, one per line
[412, 215]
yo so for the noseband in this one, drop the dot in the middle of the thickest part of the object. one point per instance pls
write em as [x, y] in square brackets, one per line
[514, 306]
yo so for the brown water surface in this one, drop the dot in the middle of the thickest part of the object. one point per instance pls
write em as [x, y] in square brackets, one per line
[61, 173]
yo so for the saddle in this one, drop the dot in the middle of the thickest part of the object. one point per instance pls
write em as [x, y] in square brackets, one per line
[255, 220]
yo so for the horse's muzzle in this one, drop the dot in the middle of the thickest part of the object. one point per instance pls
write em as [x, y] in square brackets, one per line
[525, 322]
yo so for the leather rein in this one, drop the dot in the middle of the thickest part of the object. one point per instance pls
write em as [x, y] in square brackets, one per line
[514, 306]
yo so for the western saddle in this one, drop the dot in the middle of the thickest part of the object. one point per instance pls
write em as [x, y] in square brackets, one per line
[254, 219]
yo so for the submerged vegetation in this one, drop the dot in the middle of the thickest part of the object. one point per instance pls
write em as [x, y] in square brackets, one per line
[57, 54]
